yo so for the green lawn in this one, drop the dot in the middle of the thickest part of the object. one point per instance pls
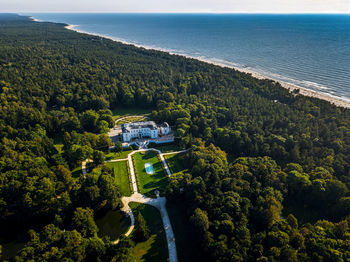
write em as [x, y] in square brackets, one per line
[58, 143]
[113, 224]
[166, 148]
[121, 155]
[187, 246]
[131, 119]
[176, 162]
[148, 183]
[120, 170]
[155, 249]
[121, 173]
[120, 112]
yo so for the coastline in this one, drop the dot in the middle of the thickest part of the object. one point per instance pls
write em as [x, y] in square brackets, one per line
[339, 102]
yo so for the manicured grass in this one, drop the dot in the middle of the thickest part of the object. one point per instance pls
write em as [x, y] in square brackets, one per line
[187, 246]
[148, 183]
[155, 248]
[121, 155]
[166, 148]
[120, 170]
[176, 162]
[131, 119]
[113, 224]
[119, 112]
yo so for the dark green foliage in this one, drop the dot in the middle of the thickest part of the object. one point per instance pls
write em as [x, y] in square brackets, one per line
[235, 211]
[59, 83]
[54, 244]
[118, 147]
[142, 232]
[83, 221]
[98, 157]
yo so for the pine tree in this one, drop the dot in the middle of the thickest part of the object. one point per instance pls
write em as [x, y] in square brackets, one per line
[142, 232]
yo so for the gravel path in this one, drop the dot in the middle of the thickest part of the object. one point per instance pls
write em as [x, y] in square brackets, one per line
[159, 202]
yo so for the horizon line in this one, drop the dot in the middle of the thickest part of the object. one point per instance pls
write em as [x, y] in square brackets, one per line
[182, 12]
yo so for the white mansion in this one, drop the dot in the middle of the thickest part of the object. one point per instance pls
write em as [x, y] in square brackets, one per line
[144, 129]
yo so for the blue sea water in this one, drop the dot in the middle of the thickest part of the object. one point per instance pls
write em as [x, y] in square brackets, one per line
[311, 51]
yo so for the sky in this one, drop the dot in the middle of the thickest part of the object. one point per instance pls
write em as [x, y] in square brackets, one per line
[183, 6]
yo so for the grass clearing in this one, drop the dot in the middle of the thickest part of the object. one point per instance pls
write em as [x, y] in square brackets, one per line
[77, 172]
[58, 143]
[156, 247]
[113, 224]
[120, 112]
[148, 183]
[120, 155]
[176, 162]
[120, 170]
[166, 148]
[186, 243]
[131, 119]
[59, 148]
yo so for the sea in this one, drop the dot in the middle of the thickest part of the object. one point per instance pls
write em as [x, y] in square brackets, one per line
[308, 50]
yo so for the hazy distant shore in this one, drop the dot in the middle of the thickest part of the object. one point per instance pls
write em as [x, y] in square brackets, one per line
[303, 91]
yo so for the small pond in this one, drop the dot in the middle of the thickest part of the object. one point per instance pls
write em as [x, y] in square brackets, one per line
[113, 224]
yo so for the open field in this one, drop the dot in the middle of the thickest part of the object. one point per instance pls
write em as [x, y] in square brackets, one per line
[120, 112]
[120, 170]
[148, 183]
[121, 155]
[176, 162]
[155, 248]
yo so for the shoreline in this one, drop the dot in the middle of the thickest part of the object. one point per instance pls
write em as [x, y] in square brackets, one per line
[337, 101]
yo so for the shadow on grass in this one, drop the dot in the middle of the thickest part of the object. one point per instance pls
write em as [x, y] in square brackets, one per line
[155, 248]
[158, 184]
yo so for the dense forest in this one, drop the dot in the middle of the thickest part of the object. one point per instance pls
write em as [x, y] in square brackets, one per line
[256, 150]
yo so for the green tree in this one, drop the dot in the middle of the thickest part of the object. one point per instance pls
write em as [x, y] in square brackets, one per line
[142, 232]
[103, 127]
[98, 157]
[200, 220]
[118, 147]
[83, 221]
[89, 120]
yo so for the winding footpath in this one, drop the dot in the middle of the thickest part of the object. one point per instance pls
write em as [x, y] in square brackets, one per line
[159, 202]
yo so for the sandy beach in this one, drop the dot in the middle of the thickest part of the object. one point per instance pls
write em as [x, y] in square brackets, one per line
[303, 91]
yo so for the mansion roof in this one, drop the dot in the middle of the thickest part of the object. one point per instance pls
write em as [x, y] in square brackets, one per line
[138, 125]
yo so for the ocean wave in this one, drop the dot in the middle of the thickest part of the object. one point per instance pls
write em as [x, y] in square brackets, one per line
[222, 62]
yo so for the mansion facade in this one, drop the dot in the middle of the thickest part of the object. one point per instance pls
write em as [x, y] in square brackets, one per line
[149, 129]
